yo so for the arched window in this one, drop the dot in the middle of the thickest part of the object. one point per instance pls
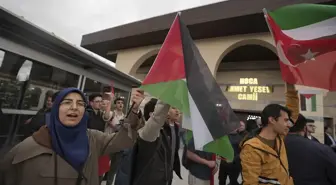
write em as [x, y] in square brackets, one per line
[249, 57]
[144, 68]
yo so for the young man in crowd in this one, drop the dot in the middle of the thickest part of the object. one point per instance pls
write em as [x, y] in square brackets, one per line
[310, 163]
[118, 115]
[263, 157]
[310, 129]
[154, 157]
[98, 117]
[111, 127]
[275, 120]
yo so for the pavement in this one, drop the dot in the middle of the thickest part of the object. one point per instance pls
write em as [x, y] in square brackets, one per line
[184, 181]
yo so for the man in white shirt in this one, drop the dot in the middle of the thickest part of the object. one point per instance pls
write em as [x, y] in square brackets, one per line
[118, 115]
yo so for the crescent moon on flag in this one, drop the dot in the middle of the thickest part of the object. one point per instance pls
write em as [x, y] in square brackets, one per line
[282, 55]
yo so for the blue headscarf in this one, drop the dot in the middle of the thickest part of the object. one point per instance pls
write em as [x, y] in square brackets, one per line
[71, 143]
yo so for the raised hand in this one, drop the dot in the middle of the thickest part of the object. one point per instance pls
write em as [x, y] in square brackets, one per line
[137, 97]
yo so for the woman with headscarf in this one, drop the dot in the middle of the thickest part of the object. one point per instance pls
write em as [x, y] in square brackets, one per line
[65, 152]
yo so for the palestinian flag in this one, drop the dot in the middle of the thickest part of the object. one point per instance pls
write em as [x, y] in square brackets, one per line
[305, 38]
[308, 103]
[181, 78]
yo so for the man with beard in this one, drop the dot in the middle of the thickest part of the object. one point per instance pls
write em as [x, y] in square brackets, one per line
[263, 157]
[154, 157]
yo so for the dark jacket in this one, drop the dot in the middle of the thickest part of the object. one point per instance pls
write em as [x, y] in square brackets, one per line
[235, 140]
[3, 119]
[96, 121]
[125, 165]
[327, 140]
[310, 163]
[149, 162]
[312, 138]
[36, 122]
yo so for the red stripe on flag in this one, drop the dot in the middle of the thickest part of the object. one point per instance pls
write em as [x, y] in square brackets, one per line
[308, 96]
[169, 63]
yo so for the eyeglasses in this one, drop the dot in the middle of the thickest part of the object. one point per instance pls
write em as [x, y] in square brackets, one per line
[70, 104]
[98, 101]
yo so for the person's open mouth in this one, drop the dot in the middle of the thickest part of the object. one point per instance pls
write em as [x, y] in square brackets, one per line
[72, 115]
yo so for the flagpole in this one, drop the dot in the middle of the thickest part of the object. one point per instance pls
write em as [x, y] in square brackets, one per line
[269, 27]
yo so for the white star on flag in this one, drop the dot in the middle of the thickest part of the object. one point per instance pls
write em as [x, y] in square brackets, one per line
[309, 55]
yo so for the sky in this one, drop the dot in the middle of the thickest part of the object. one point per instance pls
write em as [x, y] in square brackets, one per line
[70, 19]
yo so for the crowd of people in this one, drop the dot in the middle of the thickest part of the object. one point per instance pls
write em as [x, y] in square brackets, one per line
[75, 140]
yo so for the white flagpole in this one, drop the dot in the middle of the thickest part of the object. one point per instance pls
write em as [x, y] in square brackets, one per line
[266, 15]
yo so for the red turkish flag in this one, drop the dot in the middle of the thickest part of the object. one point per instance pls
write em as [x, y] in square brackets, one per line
[306, 62]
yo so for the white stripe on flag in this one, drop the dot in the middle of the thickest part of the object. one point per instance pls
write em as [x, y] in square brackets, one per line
[317, 30]
[309, 104]
[201, 133]
[186, 122]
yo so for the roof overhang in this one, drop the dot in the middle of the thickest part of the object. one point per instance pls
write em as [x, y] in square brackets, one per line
[225, 18]
[20, 30]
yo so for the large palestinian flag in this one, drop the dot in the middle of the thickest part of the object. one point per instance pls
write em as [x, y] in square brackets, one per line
[305, 38]
[181, 78]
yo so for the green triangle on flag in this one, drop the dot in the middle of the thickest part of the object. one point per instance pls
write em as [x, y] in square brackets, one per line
[181, 78]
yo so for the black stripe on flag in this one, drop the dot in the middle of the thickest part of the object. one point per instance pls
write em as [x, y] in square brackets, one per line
[206, 93]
